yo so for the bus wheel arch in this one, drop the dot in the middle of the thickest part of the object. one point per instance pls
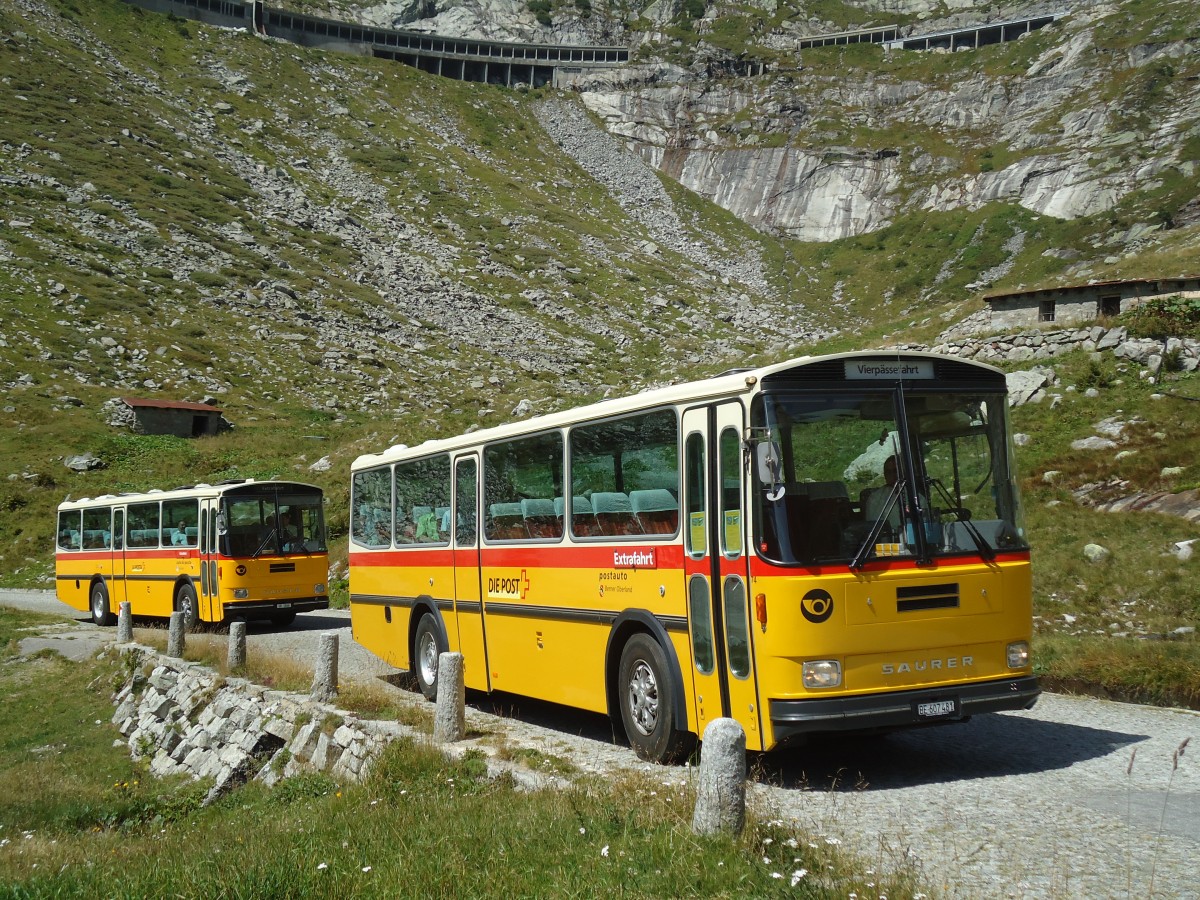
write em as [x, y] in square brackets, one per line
[641, 667]
[427, 640]
[187, 602]
[98, 603]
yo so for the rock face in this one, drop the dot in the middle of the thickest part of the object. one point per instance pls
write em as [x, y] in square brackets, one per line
[767, 148]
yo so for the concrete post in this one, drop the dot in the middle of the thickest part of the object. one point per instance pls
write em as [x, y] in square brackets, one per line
[325, 675]
[450, 717]
[721, 789]
[175, 636]
[236, 658]
[125, 623]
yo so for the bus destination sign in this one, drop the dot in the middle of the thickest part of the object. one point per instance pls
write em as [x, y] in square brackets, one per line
[887, 369]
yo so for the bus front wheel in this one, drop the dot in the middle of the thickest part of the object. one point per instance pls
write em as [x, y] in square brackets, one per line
[648, 701]
[101, 614]
[427, 646]
[185, 602]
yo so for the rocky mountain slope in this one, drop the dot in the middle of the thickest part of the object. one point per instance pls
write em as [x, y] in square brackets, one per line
[1082, 116]
[345, 251]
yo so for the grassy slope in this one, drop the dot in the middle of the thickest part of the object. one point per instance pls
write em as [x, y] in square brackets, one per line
[79, 819]
[455, 160]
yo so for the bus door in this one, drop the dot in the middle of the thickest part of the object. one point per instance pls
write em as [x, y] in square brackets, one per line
[118, 584]
[716, 567]
[209, 604]
[468, 605]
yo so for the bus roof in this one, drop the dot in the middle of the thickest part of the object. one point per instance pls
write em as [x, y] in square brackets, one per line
[733, 383]
[198, 491]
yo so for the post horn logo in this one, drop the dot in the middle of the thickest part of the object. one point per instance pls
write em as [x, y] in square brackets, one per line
[817, 606]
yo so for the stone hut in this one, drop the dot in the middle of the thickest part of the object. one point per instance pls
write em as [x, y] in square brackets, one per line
[175, 417]
[1083, 303]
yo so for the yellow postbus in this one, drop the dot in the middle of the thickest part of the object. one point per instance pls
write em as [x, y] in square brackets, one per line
[240, 549]
[829, 544]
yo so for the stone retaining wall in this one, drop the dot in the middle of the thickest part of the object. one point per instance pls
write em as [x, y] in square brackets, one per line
[187, 719]
[1181, 354]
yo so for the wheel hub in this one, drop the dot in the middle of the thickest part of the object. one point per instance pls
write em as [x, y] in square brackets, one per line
[643, 698]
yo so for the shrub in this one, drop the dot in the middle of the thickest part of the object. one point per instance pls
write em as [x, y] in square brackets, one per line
[1175, 316]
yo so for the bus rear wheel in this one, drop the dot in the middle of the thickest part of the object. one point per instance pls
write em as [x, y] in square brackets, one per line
[427, 647]
[648, 702]
[185, 602]
[101, 614]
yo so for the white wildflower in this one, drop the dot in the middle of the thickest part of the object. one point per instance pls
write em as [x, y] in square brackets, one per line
[604, 851]
[798, 875]
[321, 866]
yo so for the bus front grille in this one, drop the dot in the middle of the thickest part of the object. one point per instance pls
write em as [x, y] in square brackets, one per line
[926, 596]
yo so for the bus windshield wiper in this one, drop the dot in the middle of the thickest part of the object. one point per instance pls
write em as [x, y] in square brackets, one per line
[986, 550]
[263, 546]
[860, 557]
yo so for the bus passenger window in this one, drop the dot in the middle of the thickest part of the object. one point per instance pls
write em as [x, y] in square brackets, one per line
[422, 486]
[628, 469]
[520, 480]
[371, 508]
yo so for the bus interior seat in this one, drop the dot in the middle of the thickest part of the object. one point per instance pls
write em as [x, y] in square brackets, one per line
[505, 522]
[817, 513]
[583, 519]
[380, 531]
[656, 510]
[442, 514]
[540, 520]
[614, 513]
[425, 524]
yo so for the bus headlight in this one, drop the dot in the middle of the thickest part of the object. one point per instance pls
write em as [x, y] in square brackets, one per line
[1018, 655]
[241, 593]
[318, 588]
[822, 673]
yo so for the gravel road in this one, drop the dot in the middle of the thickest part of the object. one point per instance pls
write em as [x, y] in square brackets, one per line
[1043, 803]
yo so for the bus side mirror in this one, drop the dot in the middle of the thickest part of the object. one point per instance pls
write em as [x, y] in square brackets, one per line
[769, 468]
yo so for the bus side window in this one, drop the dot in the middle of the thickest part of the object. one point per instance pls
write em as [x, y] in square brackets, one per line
[70, 530]
[422, 486]
[371, 508]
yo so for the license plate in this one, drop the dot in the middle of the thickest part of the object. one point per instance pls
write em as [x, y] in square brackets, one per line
[285, 605]
[937, 709]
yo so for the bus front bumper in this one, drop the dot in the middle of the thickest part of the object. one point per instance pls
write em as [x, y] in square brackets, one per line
[901, 709]
[258, 609]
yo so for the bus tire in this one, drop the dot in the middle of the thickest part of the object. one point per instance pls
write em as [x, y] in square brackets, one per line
[647, 701]
[98, 603]
[427, 647]
[185, 602]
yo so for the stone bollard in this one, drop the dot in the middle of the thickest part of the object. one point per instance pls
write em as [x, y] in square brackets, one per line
[324, 686]
[125, 623]
[450, 717]
[236, 658]
[175, 636]
[721, 789]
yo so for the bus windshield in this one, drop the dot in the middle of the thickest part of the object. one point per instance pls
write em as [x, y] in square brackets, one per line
[273, 522]
[855, 477]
